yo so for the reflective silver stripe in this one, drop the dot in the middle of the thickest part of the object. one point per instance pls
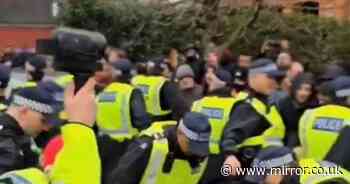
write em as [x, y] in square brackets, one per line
[343, 93]
[15, 178]
[263, 69]
[273, 163]
[193, 135]
[36, 106]
[156, 162]
[274, 141]
[326, 163]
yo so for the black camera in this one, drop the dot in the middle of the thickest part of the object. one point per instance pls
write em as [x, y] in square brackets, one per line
[75, 51]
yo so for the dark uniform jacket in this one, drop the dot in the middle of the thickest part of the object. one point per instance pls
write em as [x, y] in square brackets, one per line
[135, 160]
[15, 150]
[245, 122]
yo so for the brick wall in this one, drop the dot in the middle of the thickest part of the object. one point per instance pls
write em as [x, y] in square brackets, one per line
[22, 37]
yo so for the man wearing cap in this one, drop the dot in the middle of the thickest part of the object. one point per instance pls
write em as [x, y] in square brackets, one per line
[34, 69]
[173, 154]
[163, 100]
[324, 131]
[31, 111]
[76, 160]
[255, 122]
[191, 91]
[217, 105]
[121, 107]
[121, 113]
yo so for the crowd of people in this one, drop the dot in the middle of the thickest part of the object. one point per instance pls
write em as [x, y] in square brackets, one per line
[177, 118]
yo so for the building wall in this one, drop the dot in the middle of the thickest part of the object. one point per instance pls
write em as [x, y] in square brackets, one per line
[22, 22]
[21, 36]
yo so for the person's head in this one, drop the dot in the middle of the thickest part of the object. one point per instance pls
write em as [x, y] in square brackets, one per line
[240, 80]
[217, 78]
[325, 93]
[341, 90]
[227, 57]
[331, 72]
[270, 159]
[157, 67]
[193, 134]
[105, 76]
[244, 61]
[35, 109]
[35, 68]
[141, 68]
[303, 88]
[114, 55]
[5, 73]
[295, 69]
[213, 59]
[192, 55]
[271, 49]
[264, 76]
[185, 77]
[122, 71]
[284, 61]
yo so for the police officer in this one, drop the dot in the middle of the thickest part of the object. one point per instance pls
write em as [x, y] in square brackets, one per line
[217, 105]
[255, 123]
[121, 114]
[175, 155]
[78, 160]
[163, 100]
[323, 127]
[31, 111]
[121, 107]
[4, 80]
[34, 69]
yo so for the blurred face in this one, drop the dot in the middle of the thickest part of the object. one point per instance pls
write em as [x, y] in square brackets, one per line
[186, 83]
[295, 70]
[35, 122]
[263, 84]
[323, 99]
[183, 142]
[213, 59]
[303, 94]
[113, 56]
[286, 85]
[284, 61]
[105, 76]
[244, 61]
[166, 72]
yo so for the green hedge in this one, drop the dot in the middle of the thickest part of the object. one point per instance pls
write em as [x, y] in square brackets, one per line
[147, 31]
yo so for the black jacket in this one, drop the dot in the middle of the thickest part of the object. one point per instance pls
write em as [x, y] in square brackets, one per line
[110, 152]
[15, 151]
[171, 99]
[244, 123]
[139, 116]
[133, 163]
[291, 113]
